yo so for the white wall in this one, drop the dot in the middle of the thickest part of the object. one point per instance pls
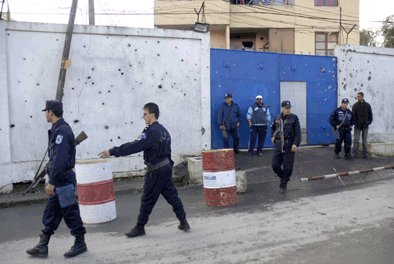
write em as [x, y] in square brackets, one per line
[369, 70]
[114, 72]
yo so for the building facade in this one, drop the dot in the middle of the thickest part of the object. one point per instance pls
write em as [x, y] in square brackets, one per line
[288, 26]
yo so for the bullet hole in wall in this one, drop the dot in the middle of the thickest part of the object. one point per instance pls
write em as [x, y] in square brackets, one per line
[184, 94]
[181, 60]
[158, 41]
[160, 86]
[31, 116]
[119, 69]
[25, 101]
[57, 39]
[122, 73]
[76, 121]
[369, 78]
[106, 127]
[118, 137]
[12, 125]
[109, 91]
[84, 46]
[19, 81]
[24, 58]
[72, 88]
[92, 68]
[37, 84]
[129, 45]
[99, 92]
[111, 140]
[136, 50]
[92, 83]
[103, 103]
[158, 55]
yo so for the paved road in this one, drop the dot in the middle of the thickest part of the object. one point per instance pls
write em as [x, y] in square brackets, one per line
[314, 223]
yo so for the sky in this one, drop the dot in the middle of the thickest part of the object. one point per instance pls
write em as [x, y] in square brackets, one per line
[57, 11]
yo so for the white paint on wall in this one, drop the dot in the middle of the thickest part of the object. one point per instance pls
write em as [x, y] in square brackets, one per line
[114, 72]
[369, 70]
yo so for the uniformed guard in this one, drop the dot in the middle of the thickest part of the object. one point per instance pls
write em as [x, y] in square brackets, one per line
[229, 119]
[342, 121]
[155, 142]
[258, 118]
[62, 203]
[286, 137]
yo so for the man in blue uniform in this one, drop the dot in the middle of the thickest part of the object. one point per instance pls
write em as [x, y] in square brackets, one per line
[229, 118]
[62, 203]
[286, 137]
[155, 142]
[258, 117]
[342, 121]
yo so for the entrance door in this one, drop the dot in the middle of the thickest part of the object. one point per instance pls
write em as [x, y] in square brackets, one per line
[295, 92]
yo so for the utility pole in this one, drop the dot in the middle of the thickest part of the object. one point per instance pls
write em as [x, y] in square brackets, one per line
[65, 63]
[91, 12]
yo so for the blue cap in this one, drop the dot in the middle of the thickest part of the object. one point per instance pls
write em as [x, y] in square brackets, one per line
[54, 105]
[345, 101]
[286, 104]
[228, 95]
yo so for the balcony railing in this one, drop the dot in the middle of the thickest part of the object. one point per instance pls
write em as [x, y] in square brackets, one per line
[262, 2]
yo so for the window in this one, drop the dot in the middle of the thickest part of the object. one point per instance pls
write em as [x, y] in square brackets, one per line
[325, 43]
[326, 2]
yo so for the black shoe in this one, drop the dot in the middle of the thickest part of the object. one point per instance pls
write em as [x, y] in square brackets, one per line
[337, 156]
[236, 151]
[41, 249]
[283, 186]
[355, 155]
[78, 248]
[184, 225]
[347, 157]
[136, 231]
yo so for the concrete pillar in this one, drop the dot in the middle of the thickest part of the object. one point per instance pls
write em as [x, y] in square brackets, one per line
[228, 37]
[194, 166]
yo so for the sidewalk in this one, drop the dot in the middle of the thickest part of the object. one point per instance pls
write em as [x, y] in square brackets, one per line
[309, 161]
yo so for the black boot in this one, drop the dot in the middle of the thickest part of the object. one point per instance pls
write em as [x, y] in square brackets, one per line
[136, 231]
[41, 249]
[283, 185]
[184, 225]
[79, 247]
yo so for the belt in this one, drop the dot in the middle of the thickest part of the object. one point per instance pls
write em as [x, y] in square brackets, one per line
[158, 165]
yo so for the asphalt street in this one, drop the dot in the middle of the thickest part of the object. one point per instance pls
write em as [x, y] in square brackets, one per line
[315, 222]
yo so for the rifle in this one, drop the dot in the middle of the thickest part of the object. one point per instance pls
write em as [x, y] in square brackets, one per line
[40, 175]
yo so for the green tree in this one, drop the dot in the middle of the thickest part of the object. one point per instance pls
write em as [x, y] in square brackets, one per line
[388, 32]
[368, 38]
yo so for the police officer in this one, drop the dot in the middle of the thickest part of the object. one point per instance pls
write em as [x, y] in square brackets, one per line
[229, 118]
[286, 137]
[258, 118]
[342, 120]
[155, 141]
[62, 203]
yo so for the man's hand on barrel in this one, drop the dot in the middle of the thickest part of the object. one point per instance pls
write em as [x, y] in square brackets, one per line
[104, 154]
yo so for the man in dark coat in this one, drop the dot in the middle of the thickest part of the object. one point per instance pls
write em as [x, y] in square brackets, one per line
[362, 113]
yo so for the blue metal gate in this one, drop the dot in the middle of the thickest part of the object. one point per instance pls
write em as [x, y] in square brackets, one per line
[246, 74]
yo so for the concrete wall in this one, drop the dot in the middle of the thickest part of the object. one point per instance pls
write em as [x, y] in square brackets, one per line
[369, 70]
[114, 72]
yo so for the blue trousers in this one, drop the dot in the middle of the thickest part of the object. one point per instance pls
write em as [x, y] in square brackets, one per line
[344, 135]
[257, 132]
[159, 182]
[54, 214]
[233, 131]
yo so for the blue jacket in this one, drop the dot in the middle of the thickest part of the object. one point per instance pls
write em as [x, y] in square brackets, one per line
[154, 141]
[259, 115]
[61, 152]
[341, 117]
[229, 115]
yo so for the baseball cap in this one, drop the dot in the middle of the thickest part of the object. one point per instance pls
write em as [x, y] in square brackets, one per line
[345, 101]
[259, 97]
[286, 104]
[228, 95]
[54, 105]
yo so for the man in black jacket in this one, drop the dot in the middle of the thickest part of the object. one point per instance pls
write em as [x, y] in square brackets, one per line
[286, 137]
[362, 113]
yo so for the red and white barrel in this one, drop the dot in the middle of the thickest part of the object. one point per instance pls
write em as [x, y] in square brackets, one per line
[220, 187]
[95, 188]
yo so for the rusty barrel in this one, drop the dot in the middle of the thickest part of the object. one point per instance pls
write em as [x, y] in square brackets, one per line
[95, 188]
[220, 188]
